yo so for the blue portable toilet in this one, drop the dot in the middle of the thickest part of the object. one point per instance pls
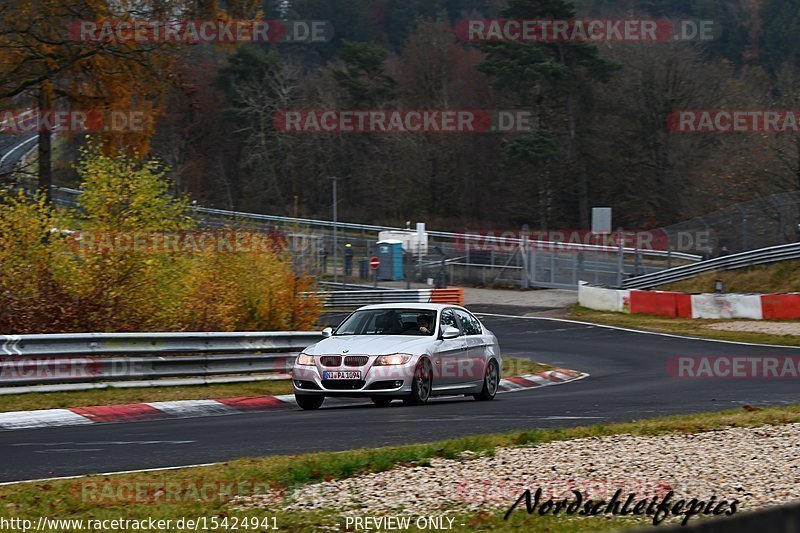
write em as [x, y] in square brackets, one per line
[390, 253]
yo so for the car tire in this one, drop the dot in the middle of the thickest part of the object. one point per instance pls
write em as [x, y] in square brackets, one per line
[309, 402]
[491, 382]
[422, 385]
[381, 401]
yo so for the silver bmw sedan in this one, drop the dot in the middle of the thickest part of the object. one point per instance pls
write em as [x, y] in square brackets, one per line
[400, 351]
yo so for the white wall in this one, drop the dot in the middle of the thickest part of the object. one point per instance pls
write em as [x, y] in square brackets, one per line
[727, 306]
[603, 299]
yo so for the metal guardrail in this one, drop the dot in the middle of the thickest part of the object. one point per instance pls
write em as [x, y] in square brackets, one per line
[75, 358]
[463, 237]
[92, 357]
[353, 287]
[730, 262]
[465, 258]
[66, 196]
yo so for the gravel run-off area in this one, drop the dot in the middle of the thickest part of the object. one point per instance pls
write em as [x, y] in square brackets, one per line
[759, 467]
[771, 328]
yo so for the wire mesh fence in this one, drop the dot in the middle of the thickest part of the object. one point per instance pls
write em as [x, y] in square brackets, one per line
[759, 223]
[453, 258]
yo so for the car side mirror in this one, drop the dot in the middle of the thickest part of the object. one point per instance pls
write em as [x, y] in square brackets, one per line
[327, 332]
[450, 332]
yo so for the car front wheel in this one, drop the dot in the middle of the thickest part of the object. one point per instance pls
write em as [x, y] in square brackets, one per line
[491, 380]
[308, 401]
[422, 384]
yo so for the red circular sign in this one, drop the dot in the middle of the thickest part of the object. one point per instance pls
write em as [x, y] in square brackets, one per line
[374, 263]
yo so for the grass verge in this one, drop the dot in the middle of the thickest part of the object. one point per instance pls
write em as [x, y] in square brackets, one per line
[694, 327]
[513, 366]
[777, 277]
[114, 496]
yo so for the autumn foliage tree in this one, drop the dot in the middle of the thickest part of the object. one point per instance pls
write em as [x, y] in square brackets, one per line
[57, 275]
[44, 63]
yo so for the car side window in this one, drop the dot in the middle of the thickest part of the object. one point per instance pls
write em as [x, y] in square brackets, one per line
[448, 319]
[470, 323]
[476, 324]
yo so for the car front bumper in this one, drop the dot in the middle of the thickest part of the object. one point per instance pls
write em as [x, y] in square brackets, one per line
[391, 380]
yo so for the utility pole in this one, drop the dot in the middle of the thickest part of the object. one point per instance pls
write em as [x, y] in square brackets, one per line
[335, 233]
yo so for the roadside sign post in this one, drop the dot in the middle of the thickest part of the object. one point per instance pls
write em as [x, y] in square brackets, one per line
[601, 225]
[374, 263]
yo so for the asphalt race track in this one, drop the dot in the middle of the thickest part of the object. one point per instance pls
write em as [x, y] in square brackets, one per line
[12, 148]
[629, 380]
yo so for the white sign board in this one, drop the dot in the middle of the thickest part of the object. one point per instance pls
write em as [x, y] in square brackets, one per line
[601, 220]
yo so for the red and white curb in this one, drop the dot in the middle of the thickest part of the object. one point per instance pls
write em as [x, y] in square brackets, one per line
[529, 381]
[78, 416]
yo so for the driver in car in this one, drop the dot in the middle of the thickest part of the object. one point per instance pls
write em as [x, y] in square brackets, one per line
[424, 324]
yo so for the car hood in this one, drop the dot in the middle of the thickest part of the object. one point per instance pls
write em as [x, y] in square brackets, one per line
[371, 345]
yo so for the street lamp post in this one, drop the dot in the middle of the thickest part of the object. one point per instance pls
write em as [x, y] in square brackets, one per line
[335, 233]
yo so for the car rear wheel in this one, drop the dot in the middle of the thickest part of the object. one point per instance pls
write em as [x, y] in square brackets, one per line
[381, 401]
[309, 401]
[422, 385]
[491, 380]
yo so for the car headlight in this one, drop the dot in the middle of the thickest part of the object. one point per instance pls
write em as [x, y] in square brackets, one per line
[394, 359]
[305, 360]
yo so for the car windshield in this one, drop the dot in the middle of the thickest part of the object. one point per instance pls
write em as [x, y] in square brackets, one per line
[417, 322]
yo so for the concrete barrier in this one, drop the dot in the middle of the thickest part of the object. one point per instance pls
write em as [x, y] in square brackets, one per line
[603, 299]
[780, 306]
[675, 304]
[727, 306]
[672, 304]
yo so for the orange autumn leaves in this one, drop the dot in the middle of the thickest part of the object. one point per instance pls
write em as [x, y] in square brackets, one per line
[49, 284]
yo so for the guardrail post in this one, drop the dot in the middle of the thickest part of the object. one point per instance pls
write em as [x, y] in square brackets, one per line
[467, 243]
[575, 268]
[620, 256]
[523, 251]
[743, 227]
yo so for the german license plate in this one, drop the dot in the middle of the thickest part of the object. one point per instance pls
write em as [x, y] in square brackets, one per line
[341, 374]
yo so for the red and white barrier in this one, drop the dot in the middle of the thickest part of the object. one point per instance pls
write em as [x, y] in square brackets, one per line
[676, 304]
